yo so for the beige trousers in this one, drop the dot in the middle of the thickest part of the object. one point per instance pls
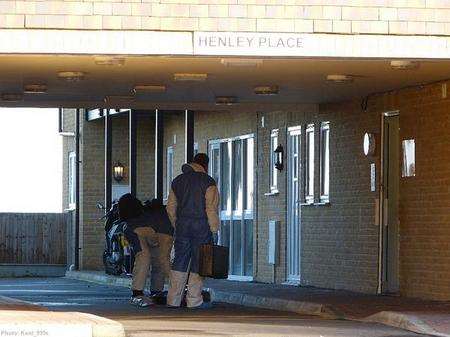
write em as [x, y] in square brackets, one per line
[155, 253]
[177, 284]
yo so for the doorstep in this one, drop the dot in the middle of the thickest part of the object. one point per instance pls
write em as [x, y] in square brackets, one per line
[420, 316]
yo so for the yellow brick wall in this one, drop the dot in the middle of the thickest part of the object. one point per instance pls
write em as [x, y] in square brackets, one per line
[403, 17]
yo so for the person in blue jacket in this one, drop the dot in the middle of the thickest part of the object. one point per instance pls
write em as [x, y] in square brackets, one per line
[192, 207]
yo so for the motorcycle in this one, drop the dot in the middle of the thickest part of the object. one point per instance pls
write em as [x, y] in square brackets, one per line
[117, 256]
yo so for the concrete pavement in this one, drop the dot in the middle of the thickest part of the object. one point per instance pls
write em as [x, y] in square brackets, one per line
[426, 317]
[61, 295]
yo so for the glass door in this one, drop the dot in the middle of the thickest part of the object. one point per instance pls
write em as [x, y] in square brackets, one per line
[232, 166]
[293, 224]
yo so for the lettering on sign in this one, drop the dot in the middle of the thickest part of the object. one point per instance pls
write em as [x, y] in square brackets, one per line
[247, 43]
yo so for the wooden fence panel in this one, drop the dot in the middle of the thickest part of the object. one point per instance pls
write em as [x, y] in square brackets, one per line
[33, 238]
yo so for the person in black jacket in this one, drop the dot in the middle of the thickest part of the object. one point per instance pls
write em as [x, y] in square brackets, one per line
[150, 233]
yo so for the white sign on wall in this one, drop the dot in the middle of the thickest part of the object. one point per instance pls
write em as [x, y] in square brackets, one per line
[105, 42]
[319, 45]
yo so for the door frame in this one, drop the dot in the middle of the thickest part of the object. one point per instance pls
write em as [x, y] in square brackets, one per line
[298, 130]
[382, 258]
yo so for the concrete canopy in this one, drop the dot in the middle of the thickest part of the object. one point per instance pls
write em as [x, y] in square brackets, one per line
[300, 80]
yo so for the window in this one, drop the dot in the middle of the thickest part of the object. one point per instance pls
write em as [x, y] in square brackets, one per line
[273, 170]
[309, 181]
[324, 161]
[71, 179]
[409, 158]
[195, 148]
[169, 169]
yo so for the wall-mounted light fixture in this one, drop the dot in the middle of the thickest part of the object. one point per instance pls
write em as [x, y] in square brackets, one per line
[369, 144]
[279, 154]
[118, 172]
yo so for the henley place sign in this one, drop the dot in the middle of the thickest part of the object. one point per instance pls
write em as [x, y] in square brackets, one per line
[234, 43]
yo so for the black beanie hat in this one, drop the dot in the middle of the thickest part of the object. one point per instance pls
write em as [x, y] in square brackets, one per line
[129, 207]
[202, 159]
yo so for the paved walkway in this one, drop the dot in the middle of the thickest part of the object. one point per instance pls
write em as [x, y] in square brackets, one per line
[69, 300]
[24, 318]
[415, 315]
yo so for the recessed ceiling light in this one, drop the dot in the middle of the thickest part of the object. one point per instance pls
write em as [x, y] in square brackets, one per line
[241, 62]
[337, 78]
[266, 90]
[404, 64]
[35, 88]
[190, 77]
[118, 98]
[109, 61]
[71, 76]
[226, 100]
[149, 88]
[11, 97]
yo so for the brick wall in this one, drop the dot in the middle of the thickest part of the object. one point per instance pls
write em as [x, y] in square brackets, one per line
[425, 198]
[410, 17]
[340, 240]
[92, 176]
[339, 247]
[232, 122]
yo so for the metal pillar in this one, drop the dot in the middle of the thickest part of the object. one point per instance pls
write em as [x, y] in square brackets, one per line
[108, 158]
[159, 154]
[77, 189]
[132, 151]
[189, 135]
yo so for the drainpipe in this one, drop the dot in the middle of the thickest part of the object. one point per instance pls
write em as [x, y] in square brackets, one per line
[188, 135]
[76, 135]
[159, 154]
[77, 190]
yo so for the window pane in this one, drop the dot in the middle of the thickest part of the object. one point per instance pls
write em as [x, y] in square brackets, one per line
[71, 178]
[248, 248]
[225, 179]
[310, 162]
[215, 157]
[325, 160]
[237, 248]
[225, 233]
[409, 158]
[250, 173]
[169, 169]
[237, 175]
[273, 170]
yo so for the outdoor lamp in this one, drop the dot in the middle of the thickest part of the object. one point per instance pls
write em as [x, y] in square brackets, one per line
[118, 172]
[278, 153]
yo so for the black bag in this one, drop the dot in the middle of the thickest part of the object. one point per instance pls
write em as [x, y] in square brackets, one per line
[213, 261]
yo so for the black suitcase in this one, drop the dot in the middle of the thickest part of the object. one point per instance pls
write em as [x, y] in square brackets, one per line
[213, 261]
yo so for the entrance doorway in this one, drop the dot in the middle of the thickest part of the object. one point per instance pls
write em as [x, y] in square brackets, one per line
[294, 209]
[390, 205]
[232, 166]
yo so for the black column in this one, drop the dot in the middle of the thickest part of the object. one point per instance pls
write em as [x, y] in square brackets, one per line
[108, 158]
[132, 164]
[159, 154]
[189, 135]
[77, 190]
